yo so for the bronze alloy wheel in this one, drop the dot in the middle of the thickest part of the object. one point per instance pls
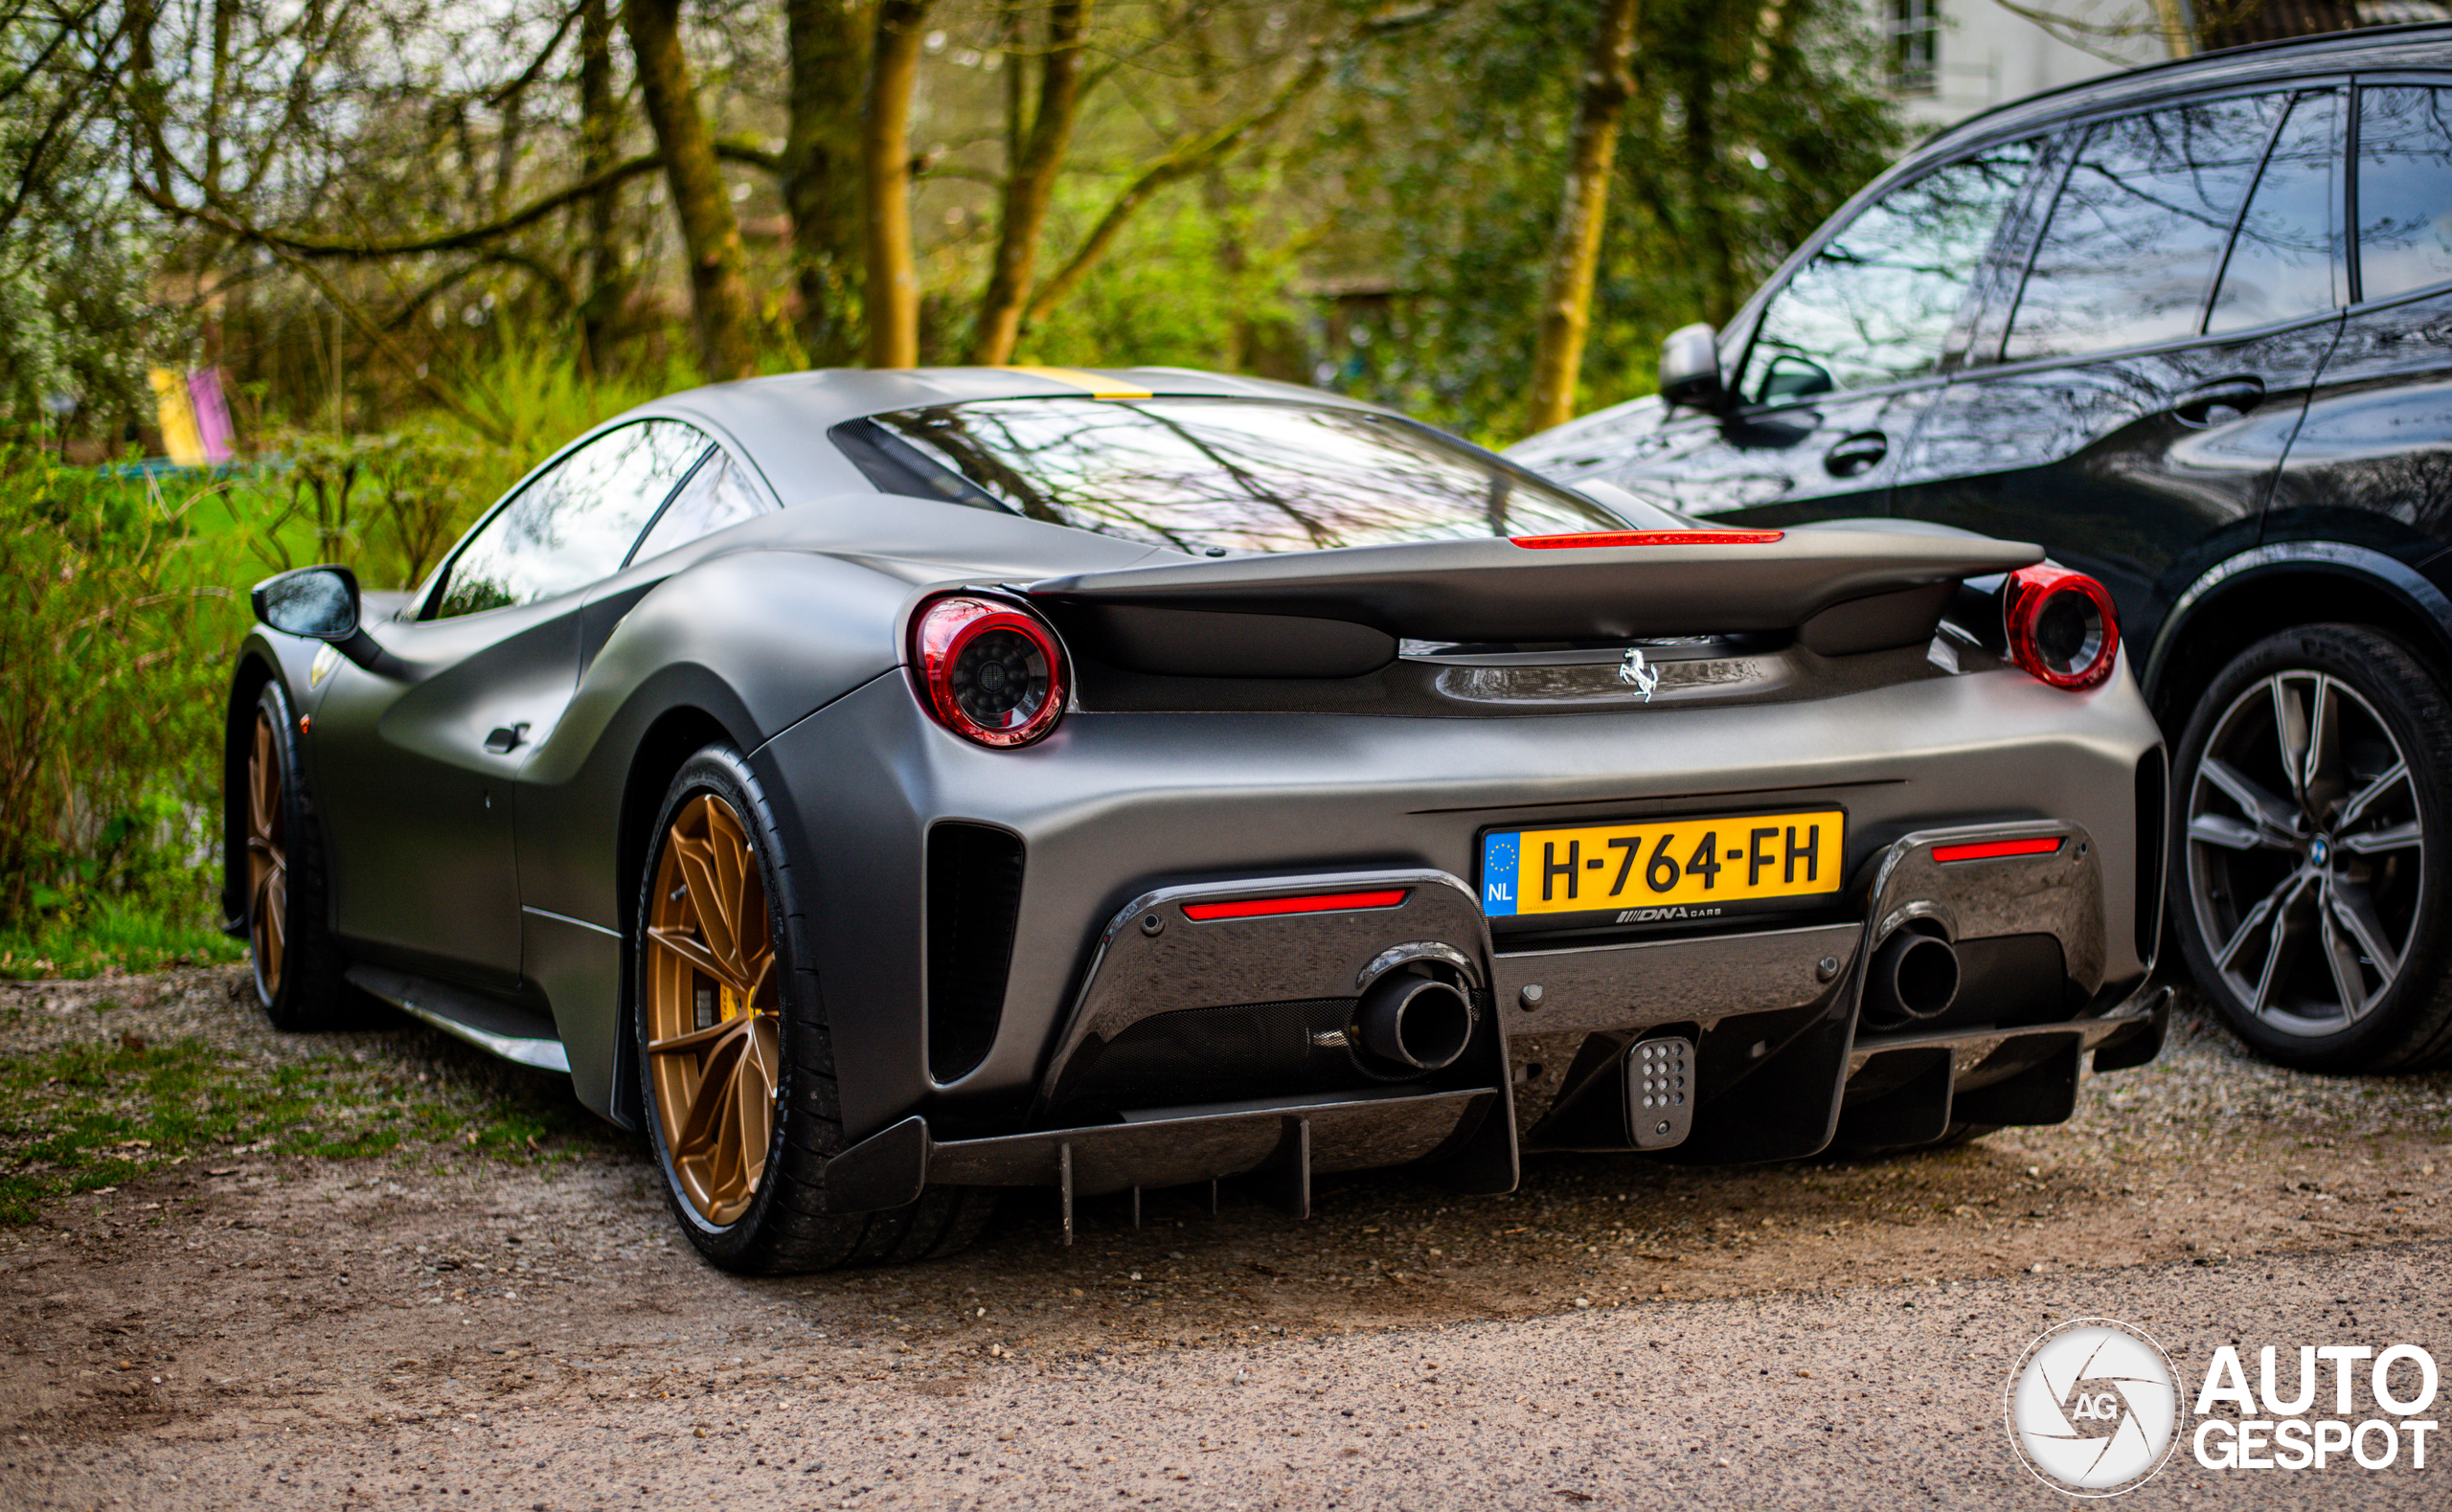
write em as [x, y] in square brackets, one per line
[267, 857]
[714, 1016]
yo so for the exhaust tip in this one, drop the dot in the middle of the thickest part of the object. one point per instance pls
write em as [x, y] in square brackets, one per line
[1418, 1022]
[1914, 977]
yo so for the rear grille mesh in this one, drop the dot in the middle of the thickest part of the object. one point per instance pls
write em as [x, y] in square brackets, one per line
[974, 897]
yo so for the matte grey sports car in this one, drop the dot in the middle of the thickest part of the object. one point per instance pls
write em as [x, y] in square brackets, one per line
[885, 788]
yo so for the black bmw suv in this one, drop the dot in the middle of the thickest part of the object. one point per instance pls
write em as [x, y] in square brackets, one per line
[2190, 328]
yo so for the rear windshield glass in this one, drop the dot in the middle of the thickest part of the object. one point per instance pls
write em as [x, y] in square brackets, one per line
[1201, 475]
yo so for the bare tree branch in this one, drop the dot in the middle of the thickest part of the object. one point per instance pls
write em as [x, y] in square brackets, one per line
[1198, 153]
[544, 56]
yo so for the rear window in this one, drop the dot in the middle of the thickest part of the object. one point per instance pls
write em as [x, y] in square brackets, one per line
[1213, 476]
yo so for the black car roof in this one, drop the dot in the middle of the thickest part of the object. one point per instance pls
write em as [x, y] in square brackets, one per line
[2424, 44]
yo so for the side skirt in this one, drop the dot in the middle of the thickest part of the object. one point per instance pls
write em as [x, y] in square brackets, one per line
[512, 1033]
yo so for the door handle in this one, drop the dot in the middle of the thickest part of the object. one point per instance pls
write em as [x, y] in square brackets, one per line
[2203, 404]
[1852, 455]
[507, 737]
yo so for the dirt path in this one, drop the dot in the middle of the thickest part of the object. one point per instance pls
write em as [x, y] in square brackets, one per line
[436, 1322]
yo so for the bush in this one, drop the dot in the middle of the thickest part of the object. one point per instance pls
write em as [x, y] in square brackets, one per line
[388, 505]
[115, 629]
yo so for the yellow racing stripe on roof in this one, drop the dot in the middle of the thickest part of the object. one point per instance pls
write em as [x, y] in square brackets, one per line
[1089, 383]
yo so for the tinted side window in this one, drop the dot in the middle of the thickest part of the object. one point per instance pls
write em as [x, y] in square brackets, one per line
[2139, 227]
[1873, 305]
[2404, 190]
[2287, 258]
[715, 496]
[575, 524]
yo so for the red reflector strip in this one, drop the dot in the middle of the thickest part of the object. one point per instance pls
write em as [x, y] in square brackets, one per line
[1582, 539]
[1995, 849]
[1316, 903]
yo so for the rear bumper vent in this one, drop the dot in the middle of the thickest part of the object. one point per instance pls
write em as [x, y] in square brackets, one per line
[974, 897]
[1225, 1054]
[2151, 786]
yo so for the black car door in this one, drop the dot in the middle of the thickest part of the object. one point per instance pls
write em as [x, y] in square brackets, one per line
[1842, 360]
[421, 752]
[2372, 461]
[2129, 406]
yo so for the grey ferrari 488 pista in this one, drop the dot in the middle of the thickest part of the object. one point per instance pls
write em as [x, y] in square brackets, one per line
[888, 789]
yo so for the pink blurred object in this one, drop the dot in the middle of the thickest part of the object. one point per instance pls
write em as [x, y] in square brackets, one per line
[211, 415]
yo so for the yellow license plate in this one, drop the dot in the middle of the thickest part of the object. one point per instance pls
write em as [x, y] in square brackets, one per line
[1694, 866]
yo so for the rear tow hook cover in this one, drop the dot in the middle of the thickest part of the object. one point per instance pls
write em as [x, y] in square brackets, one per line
[1659, 1092]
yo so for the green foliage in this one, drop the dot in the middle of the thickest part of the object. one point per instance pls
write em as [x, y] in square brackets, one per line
[115, 637]
[1748, 126]
[79, 302]
[1183, 287]
[173, 926]
[388, 505]
[530, 384]
[93, 1116]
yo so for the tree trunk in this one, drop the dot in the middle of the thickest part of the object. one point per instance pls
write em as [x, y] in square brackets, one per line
[893, 304]
[1714, 252]
[600, 139]
[710, 235]
[829, 43]
[1030, 184]
[2179, 39]
[1575, 247]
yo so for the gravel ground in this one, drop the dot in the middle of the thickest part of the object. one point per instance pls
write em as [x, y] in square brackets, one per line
[422, 1328]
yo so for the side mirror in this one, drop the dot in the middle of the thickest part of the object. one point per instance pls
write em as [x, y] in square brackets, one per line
[1689, 368]
[318, 603]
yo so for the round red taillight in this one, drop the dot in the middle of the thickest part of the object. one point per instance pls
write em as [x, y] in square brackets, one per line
[2061, 626]
[989, 671]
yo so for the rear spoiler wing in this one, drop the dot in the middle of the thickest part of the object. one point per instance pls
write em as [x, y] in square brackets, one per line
[1340, 613]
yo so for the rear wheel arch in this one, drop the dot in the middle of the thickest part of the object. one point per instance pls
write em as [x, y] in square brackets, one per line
[670, 740]
[2275, 588]
[2303, 893]
[785, 1223]
[239, 724]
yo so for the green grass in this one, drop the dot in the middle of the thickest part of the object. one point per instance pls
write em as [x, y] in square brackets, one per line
[115, 934]
[88, 1117]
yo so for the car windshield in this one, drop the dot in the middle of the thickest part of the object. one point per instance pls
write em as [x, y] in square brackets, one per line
[1212, 475]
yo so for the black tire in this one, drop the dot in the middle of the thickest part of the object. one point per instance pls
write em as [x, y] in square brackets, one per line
[785, 1226]
[296, 964]
[2310, 908]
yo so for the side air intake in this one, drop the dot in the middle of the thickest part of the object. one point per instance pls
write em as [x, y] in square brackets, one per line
[974, 894]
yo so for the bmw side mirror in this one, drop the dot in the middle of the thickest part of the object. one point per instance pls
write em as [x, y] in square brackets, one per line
[318, 603]
[1689, 368]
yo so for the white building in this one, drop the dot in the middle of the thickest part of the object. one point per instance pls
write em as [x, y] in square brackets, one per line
[1950, 58]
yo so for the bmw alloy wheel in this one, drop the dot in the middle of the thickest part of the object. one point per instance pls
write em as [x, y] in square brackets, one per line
[2304, 854]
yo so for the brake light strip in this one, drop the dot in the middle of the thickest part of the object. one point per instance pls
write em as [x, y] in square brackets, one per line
[1312, 903]
[1997, 850]
[1595, 538]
